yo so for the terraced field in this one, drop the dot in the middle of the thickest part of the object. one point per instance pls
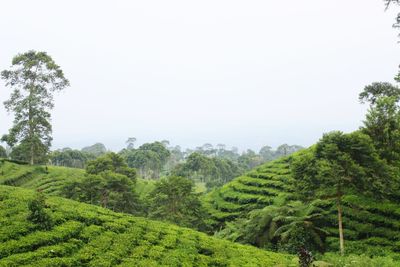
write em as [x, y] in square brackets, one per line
[86, 235]
[263, 186]
[50, 180]
[368, 224]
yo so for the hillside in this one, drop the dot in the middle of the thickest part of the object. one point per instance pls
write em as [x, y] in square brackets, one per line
[52, 180]
[86, 235]
[368, 224]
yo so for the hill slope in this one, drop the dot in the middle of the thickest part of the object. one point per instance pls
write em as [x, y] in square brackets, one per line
[50, 180]
[368, 224]
[86, 235]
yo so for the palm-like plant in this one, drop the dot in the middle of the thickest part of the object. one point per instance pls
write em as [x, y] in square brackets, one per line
[287, 227]
[298, 226]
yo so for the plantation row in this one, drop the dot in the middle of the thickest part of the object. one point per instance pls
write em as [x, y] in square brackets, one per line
[367, 223]
[86, 235]
[254, 190]
[50, 180]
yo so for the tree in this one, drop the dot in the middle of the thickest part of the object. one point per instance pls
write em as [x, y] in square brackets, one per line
[3, 152]
[287, 227]
[37, 213]
[340, 164]
[266, 153]
[158, 148]
[96, 150]
[173, 199]
[107, 189]
[111, 162]
[147, 162]
[68, 157]
[34, 76]
[373, 92]
[395, 25]
[130, 143]
[109, 183]
[213, 171]
[382, 122]
[149, 159]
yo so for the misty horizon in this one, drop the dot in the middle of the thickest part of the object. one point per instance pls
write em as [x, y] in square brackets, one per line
[241, 74]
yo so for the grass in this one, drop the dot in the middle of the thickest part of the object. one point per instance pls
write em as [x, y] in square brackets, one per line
[86, 235]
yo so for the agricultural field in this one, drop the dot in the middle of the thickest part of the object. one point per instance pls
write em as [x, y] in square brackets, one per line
[51, 179]
[370, 226]
[86, 235]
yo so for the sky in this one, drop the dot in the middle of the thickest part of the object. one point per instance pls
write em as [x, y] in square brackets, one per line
[242, 73]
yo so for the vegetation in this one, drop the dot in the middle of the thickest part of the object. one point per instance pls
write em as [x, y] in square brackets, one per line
[109, 183]
[96, 150]
[173, 199]
[34, 76]
[341, 164]
[370, 226]
[3, 152]
[340, 195]
[86, 235]
[68, 157]
[37, 214]
[213, 172]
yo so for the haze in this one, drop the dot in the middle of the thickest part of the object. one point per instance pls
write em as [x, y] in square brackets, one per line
[243, 73]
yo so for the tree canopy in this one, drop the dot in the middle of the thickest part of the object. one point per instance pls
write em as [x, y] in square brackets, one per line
[33, 76]
[173, 199]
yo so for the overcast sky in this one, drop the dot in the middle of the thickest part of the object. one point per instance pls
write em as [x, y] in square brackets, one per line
[243, 73]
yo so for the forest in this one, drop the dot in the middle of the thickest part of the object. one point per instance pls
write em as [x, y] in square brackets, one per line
[334, 203]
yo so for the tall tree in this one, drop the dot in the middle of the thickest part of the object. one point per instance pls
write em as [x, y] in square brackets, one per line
[3, 152]
[130, 143]
[33, 76]
[340, 164]
[382, 122]
[396, 24]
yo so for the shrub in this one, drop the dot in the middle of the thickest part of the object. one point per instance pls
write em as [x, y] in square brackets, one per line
[38, 214]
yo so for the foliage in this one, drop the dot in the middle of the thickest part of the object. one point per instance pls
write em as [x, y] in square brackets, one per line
[287, 228]
[96, 150]
[371, 223]
[3, 152]
[34, 76]
[149, 159]
[342, 163]
[70, 158]
[109, 183]
[37, 212]
[173, 199]
[362, 260]
[382, 122]
[212, 171]
[111, 162]
[305, 257]
[109, 190]
[375, 91]
[86, 235]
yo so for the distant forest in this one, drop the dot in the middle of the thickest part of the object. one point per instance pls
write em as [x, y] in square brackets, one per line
[212, 165]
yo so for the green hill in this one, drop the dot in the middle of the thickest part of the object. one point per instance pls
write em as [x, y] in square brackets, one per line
[50, 180]
[254, 190]
[86, 235]
[368, 224]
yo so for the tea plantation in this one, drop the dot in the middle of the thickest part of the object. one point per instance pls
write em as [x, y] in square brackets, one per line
[52, 179]
[368, 224]
[86, 235]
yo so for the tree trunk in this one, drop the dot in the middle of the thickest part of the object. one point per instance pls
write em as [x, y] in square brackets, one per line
[30, 122]
[341, 238]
